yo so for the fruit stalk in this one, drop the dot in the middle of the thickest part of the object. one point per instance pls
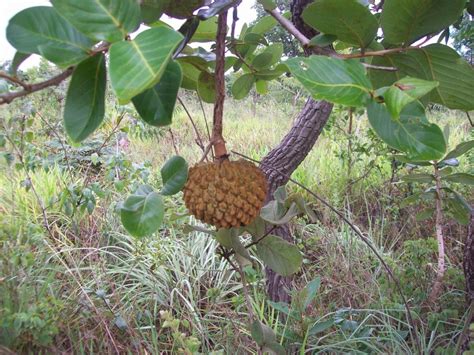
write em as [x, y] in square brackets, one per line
[220, 151]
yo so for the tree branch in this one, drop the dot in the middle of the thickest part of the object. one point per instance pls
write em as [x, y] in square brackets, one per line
[54, 81]
[14, 80]
[218, 141]
[289, 26]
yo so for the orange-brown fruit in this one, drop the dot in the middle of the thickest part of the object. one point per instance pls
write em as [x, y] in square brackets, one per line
[225, 194]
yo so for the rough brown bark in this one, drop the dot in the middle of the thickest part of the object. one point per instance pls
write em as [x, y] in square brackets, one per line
[289, 154]
[286, 157]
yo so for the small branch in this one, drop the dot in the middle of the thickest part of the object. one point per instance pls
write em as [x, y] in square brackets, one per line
[173, 141]
[54, 81]
[217, 138]
[198, 136]
[14, 80]
[438, 284]
[289, 26]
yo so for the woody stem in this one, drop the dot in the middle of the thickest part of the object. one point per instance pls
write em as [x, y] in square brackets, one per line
[218, 141]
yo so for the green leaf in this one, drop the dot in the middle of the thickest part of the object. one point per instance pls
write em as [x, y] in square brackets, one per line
[349, 20]
[274, 213]
[174, 174]
[459, 208]
[461, 178]
[435, 62]
[262, 61]
[139, 64]
[190, 76]
[405, 21]
[42, 31]
[420, 178]
[206, 31]
[101, 20]
[310, 291]
[424, 215]
[17, 60]
[322, 40]
[224, 237]
[85, 100]
[336, 80]
[151, 10]
[142, 213]
[406, 91]
[242, 86]
[460, 149]
[411, 133]
[264, 25]
[268, 5]
[282, 257]
[262, 87]
[206, 87]
[320, 327]
[156, 105]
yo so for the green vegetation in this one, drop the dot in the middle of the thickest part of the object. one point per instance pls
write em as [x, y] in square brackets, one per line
[74, 281]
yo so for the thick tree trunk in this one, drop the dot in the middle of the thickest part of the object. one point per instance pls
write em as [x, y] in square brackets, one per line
[286, 157]
[289, 154]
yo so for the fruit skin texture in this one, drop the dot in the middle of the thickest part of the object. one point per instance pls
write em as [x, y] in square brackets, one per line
[225, 194]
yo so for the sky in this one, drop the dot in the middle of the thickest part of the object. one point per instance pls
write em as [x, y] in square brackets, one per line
[8, 8]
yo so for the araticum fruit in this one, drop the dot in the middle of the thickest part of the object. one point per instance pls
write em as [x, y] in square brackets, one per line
[225, 194]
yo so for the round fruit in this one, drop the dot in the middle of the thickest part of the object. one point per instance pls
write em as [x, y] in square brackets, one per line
[225, 194]
[183, 8]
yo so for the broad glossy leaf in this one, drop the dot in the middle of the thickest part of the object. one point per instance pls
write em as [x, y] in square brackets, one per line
[139, 64]
[262, 61]
[405, 21]
[142, 213]
[206, 87]
[282, 257]
[425, 214]
[406, 91]
[421, 178]
[459, 208]
[411, 133]
[85, 101]
[101, 20]
[41, 29]
[17, 60]
[275, 213]
[336, 80]
[461, 178]
[262, 87]
[461, 148]
[151, 10]
[174, 174]
[242, 86]
[435, 62]
[349, 20]
[156, 105]
[322, 40]
[190, 76]
[264, 25]
[206, 31]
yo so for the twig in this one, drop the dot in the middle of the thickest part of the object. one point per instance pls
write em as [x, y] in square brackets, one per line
[173, 141]
[438, 284]
[361, 236]
[289, 26]
[205, 118]
[469, 118]
[198, 136]
[218, 141]
[54, 81]
[14, 80]
[206, 151]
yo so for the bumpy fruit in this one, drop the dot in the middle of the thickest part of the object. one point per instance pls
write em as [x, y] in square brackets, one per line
[183, 8]
[226, 194]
